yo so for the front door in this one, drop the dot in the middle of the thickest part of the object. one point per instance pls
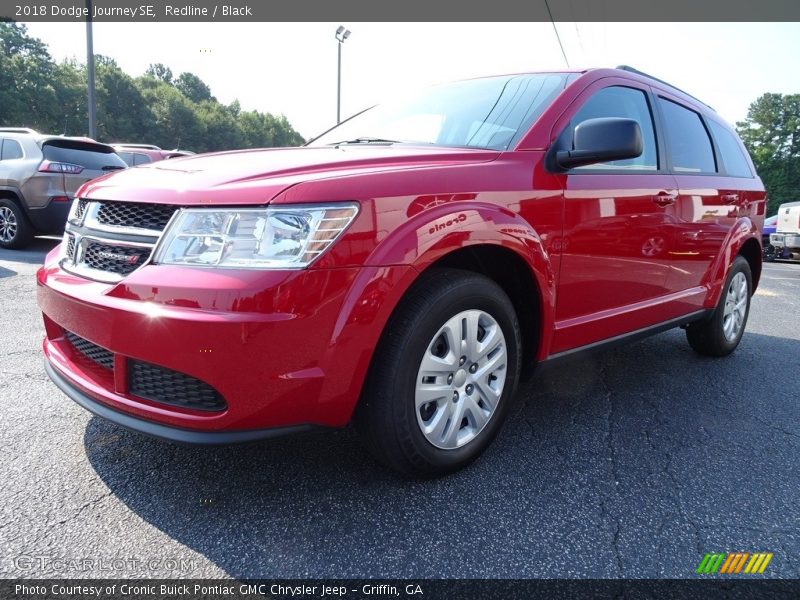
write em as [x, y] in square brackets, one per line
[617, 219]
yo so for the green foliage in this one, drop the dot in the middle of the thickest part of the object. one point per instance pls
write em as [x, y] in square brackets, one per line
[156, 108]
[191, 86]
[161, 72]
[771, 133]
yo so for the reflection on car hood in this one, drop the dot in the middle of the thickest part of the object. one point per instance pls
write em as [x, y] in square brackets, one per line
[256, 176]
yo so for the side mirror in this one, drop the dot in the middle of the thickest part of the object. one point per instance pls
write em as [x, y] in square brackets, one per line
[602, 140]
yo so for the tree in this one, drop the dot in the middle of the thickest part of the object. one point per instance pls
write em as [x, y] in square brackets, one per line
[191, 86]
[69, 81]
[160, 71]
[156, 108]
[771, 133]
[27, 96]
[122, 113]
[175, 123]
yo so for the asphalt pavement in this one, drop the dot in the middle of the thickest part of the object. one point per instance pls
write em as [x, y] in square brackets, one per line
[635, 463]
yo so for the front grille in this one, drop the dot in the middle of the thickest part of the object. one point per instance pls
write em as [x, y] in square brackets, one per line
[135, 215]
[81, 208]
[70, 246]
[121, 260]
[93, 352]
[108, 240]
[171, 387]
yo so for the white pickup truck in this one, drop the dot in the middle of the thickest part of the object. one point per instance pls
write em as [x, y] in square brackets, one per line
[787, 230]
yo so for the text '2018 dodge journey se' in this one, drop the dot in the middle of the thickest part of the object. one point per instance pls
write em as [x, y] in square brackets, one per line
[402, 269]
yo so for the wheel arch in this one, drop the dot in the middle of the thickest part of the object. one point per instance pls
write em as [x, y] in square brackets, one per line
[8, 193]
[514, 275]
[752, 253]
[744, 239]
[481, 237]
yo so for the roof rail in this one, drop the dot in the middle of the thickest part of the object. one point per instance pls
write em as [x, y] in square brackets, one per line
[674, 87]
[19, 130]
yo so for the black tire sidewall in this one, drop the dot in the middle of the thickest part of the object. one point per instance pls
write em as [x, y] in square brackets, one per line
[490, 299]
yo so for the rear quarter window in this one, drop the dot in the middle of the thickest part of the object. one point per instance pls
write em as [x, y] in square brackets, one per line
[88, 156]
[10, 150]
[731, 152]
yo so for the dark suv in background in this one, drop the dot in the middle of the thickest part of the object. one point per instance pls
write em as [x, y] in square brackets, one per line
[39, 175]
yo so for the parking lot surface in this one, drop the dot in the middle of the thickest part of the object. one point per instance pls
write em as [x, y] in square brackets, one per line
[635, 463]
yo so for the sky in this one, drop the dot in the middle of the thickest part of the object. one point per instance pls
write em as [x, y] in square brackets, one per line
[290, 68]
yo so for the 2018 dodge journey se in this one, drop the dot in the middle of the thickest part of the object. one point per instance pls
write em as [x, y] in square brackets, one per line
[400, 271]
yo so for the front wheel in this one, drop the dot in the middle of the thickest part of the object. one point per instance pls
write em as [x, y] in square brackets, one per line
[719, 335]
[443, 375]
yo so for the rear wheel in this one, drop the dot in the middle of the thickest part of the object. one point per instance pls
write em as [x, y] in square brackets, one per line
[443, 375]
[719, 335]
[15, 231]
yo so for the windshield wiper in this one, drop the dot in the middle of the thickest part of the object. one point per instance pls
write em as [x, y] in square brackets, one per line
[366, 140]
[111, 168]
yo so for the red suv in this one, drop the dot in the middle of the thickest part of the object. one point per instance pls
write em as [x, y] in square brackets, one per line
[401, 270]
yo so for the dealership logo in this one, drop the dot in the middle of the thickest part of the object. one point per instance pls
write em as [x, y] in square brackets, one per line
[734, 563]
[449, 223]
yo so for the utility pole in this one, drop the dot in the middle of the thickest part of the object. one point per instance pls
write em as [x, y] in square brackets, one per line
[90, 72]
[341, 35]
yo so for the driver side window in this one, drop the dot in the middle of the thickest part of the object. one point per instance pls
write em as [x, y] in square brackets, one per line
[628, 103]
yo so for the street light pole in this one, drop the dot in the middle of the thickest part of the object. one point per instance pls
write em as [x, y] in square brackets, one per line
[90, 72]
[341, 35]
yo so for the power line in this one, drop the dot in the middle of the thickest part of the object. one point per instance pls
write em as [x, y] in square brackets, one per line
[555, 29]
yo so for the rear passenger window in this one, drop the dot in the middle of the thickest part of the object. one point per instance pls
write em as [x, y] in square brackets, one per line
[730, 151]
[11, 149]
[627, 103]
[141, 159]
[689, 145]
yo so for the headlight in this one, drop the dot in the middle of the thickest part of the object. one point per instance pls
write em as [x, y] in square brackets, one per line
[281, 237]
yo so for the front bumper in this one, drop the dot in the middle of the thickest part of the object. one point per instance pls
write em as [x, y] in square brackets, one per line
[164, 432]
[785, 240]
[284, 349]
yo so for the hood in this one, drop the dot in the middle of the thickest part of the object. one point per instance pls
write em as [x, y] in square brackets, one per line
[257, 176]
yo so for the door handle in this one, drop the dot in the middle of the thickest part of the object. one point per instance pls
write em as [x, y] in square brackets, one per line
[729, 198]
[664, 199]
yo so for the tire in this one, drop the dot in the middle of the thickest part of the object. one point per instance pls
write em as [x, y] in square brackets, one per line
[15, 230]
[417, 372]
[719, 335]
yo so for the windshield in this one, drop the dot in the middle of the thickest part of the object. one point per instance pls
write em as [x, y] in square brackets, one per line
[493, 113]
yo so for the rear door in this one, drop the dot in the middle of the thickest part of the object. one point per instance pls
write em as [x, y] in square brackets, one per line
[713, 194]
[616, 244]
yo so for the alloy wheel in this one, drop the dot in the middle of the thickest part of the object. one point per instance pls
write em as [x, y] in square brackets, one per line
[8, 224]
[735, 310]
